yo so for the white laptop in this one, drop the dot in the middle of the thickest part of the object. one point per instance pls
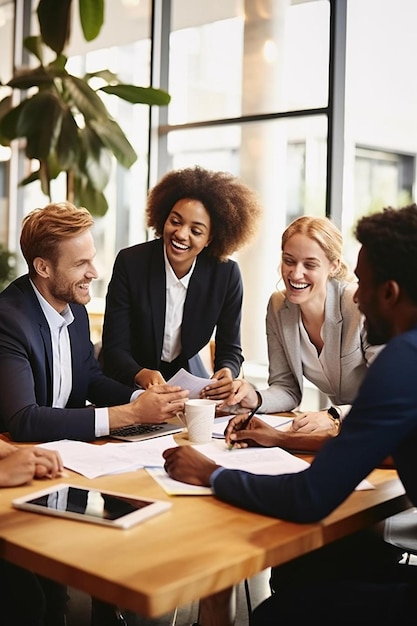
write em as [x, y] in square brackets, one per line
[140, 432]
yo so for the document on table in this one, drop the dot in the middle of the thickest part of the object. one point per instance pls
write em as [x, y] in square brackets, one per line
[175, 487]
[276, 421]
[92, 460]
[266, 461]
[194, 384]
[111, 458]
[256, 460]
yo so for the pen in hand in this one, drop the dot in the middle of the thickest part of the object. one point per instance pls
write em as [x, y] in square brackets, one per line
[245, 424]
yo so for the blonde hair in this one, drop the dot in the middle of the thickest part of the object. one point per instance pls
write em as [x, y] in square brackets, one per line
[44, 229]
[328, 237]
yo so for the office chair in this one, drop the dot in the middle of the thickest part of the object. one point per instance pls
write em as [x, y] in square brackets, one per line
[400, 530]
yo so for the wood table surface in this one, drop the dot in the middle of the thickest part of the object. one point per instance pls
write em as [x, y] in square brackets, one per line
[199, 546]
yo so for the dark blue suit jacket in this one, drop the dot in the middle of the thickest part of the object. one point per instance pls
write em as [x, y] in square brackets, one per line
[134, 319]
[26, 370]
[382, 422]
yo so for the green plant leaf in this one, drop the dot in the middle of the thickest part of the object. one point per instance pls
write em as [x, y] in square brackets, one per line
[67, 145]
[84, 98]
[114, 138]
[5, 105]
[58, 65]
[107, 75]
[138, 95]
[53, 171]
[40, 122]
[7, 266]
[91, 17]
[34, 45]
[33, 176]
[45, 179]
[27, 78]
[93, 200]
[96, 161]
[55, 22]
[8, 123]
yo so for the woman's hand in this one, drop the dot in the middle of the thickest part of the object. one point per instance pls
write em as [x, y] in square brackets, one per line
[147, 378]
[243, 396]
[221, 388]
[313, 422]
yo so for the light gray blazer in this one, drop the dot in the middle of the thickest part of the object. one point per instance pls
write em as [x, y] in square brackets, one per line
[345, 349]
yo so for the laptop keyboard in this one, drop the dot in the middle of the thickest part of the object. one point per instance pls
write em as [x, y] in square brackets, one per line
[137, 429]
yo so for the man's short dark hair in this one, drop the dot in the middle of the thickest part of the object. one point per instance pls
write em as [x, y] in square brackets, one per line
[390, 241]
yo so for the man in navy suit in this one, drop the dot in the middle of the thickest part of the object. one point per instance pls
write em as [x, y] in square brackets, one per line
[52, 386]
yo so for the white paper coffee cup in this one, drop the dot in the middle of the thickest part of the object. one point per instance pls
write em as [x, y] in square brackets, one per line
[199, 419]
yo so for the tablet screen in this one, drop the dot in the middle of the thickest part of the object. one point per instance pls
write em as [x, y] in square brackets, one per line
[89, 502]
[91, 505]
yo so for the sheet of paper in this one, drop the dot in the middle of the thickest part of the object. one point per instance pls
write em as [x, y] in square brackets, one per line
[257, 460]
[111, 458]
[175, 487]
[194, 384]
[220, 423]
[90, 460]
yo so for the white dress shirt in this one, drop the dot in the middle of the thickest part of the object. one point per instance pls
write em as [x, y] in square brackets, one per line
[176, 292]
[62, 365]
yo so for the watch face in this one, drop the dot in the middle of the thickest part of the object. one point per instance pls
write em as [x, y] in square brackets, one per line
[334, 413]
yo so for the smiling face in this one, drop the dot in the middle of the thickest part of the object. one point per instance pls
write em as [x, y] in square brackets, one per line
[186, 233]
[305, 270]
[68, 280]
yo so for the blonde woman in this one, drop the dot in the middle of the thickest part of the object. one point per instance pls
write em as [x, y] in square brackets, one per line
[314, 329]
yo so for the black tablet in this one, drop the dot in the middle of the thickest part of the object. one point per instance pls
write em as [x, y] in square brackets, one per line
[113, 509]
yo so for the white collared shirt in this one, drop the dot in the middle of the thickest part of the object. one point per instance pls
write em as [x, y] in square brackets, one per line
[62, 364]
[176, 292]
[61, 350]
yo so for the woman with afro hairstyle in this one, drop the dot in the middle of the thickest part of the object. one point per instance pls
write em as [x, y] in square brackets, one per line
[168, 295]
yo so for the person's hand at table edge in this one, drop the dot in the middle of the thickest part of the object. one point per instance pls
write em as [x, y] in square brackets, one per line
[25, 463]
[184, 463]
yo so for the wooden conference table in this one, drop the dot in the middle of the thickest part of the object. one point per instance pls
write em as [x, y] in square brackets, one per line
[200, 546]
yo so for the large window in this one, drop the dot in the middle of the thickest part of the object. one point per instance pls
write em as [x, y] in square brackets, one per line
[238, 58]
[381, 100]
[249, 86]
[6, 70]
[251, 94]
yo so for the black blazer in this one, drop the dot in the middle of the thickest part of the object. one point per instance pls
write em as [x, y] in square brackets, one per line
[26, 371]
[134, 319]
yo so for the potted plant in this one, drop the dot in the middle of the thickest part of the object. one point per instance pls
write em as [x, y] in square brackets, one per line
[7, 266]
[63, 120]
